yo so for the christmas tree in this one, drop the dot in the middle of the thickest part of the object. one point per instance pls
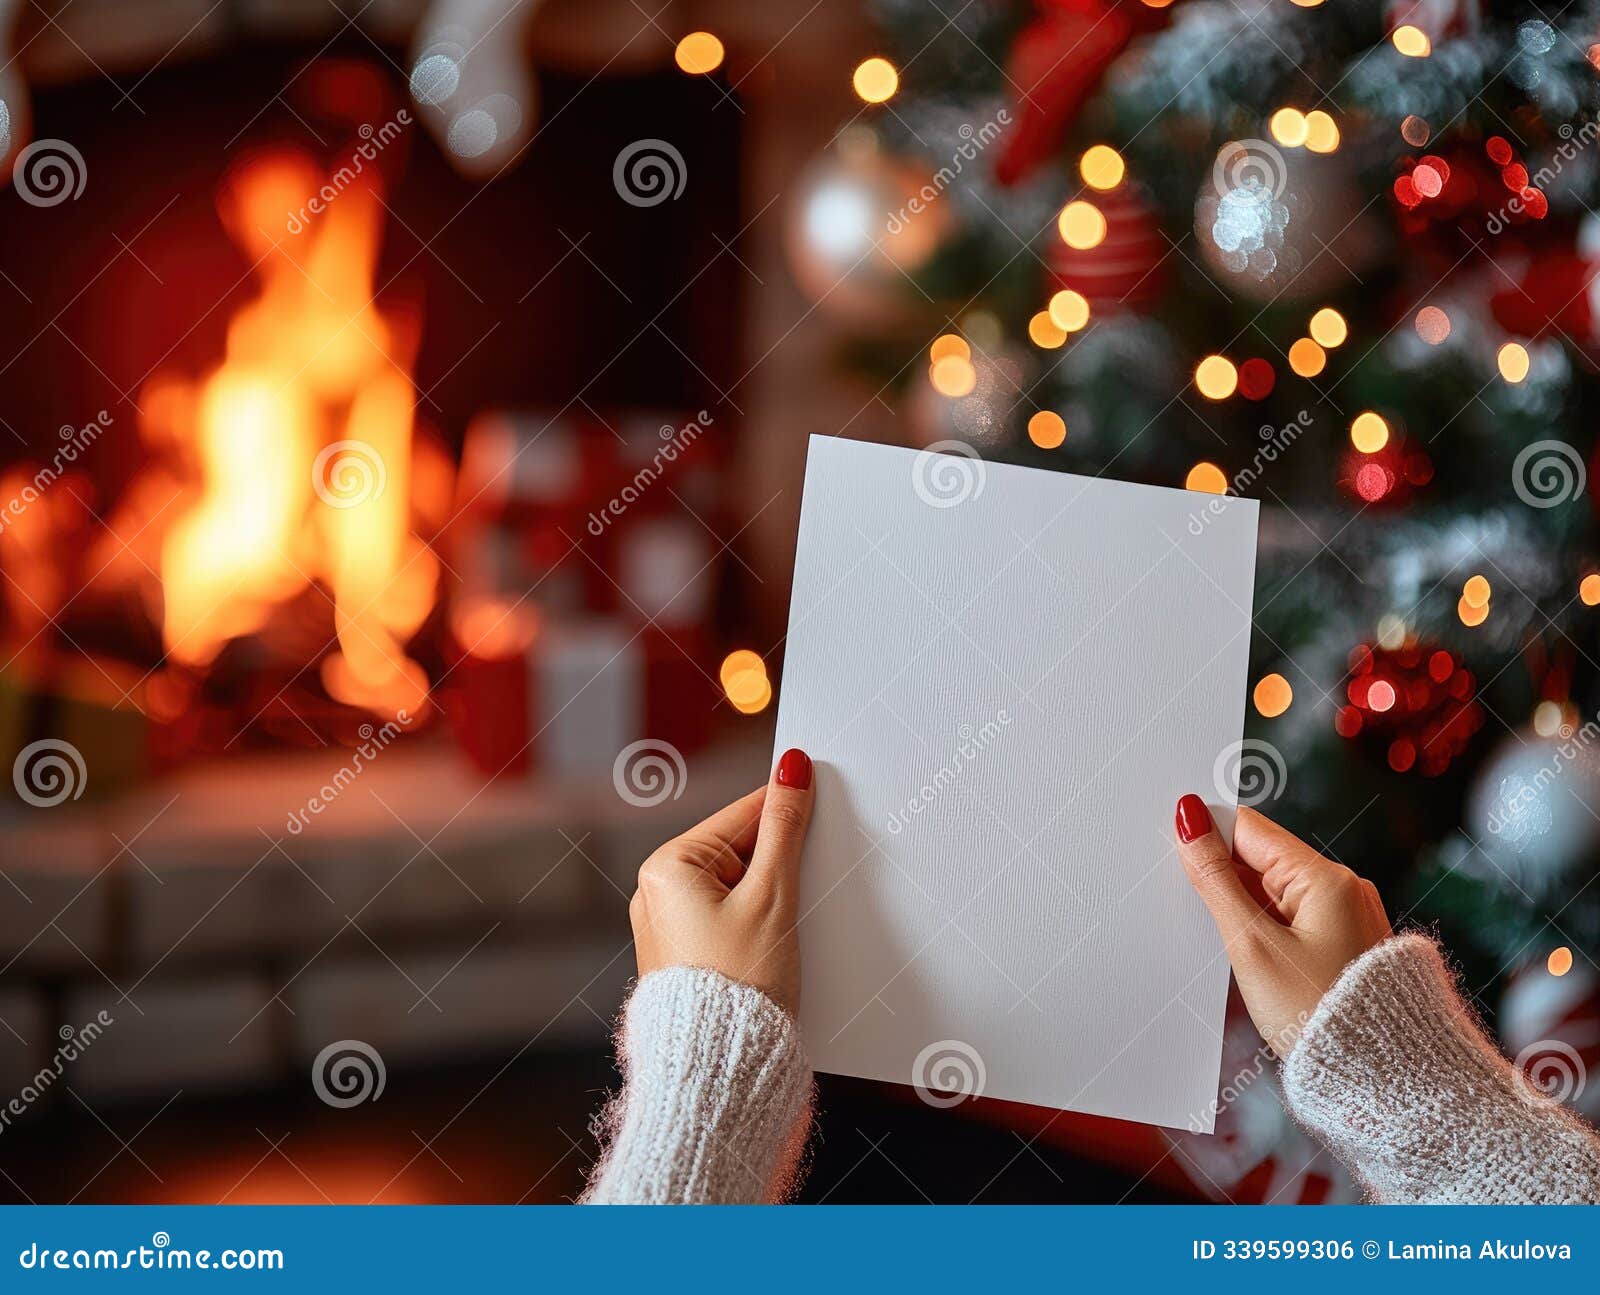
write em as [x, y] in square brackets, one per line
[1338, 257]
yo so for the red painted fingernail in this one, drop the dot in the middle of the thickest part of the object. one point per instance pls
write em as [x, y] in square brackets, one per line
[1194, 819]
[794, 769]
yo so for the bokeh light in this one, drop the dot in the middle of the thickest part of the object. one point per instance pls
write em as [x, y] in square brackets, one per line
[1412, 41]
[1322, 132]
[1207, 477]
[1589, 590]
[1215, 377]
[1273, 695]
[1047, 429]
[699, 53]
[1559, 962]
[1288, 127]
[1044, 331]
[1513, 361]
[949, 344]
[1476, 591]
[953, 376]
[1069, 310]
[1368, 432]
[1328, 327]
[1082, 225]
[876, 80]
[1471, 616]
[1415, 131]
[1306, 358]
[1102, 167]
[1433, 325]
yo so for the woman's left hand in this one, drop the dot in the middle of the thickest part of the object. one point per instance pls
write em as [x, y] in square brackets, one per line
[725, 894]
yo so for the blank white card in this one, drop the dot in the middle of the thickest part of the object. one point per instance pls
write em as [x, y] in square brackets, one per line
[1006, 678]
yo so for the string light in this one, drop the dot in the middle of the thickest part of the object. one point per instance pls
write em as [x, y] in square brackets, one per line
[1559, 961]
[1433, 325]
[1273, 695]
[1368, 432]
[1288, 127]
[953, 376]
[1306, 358]
[699, 53]
[1044, 331]
[1589, 590]
[1513, 361]
[1216, 378]
[1069, 310]
[1082, 225]
[875, 80]
[949, 344]
[1476, 591]
[1328, 327]
[1047, 429]
[1102, 167]
[1322, 132]
[1207, 477]
[1412, 41]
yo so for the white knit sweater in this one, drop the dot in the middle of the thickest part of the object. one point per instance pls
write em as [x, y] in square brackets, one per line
[1392, 1071]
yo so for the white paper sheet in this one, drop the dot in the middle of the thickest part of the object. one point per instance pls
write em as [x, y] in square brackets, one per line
[1006, 678]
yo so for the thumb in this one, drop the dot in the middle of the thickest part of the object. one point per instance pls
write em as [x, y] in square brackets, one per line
[775, 862]
[1209, 863]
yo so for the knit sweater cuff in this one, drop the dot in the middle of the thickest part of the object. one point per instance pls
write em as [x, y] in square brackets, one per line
[1394, 1072]
[717, 1096]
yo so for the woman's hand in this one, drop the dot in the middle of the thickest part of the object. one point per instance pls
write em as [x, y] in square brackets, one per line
[1291, 920]
[724, 895]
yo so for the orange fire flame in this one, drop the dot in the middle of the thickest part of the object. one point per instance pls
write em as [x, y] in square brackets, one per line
[303, 445]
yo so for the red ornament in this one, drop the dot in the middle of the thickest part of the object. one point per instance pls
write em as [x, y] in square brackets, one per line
[1414, 705]
[1126, 269]
[1056, 63]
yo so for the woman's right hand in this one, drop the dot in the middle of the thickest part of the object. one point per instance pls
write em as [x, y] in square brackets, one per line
[1291, 920]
